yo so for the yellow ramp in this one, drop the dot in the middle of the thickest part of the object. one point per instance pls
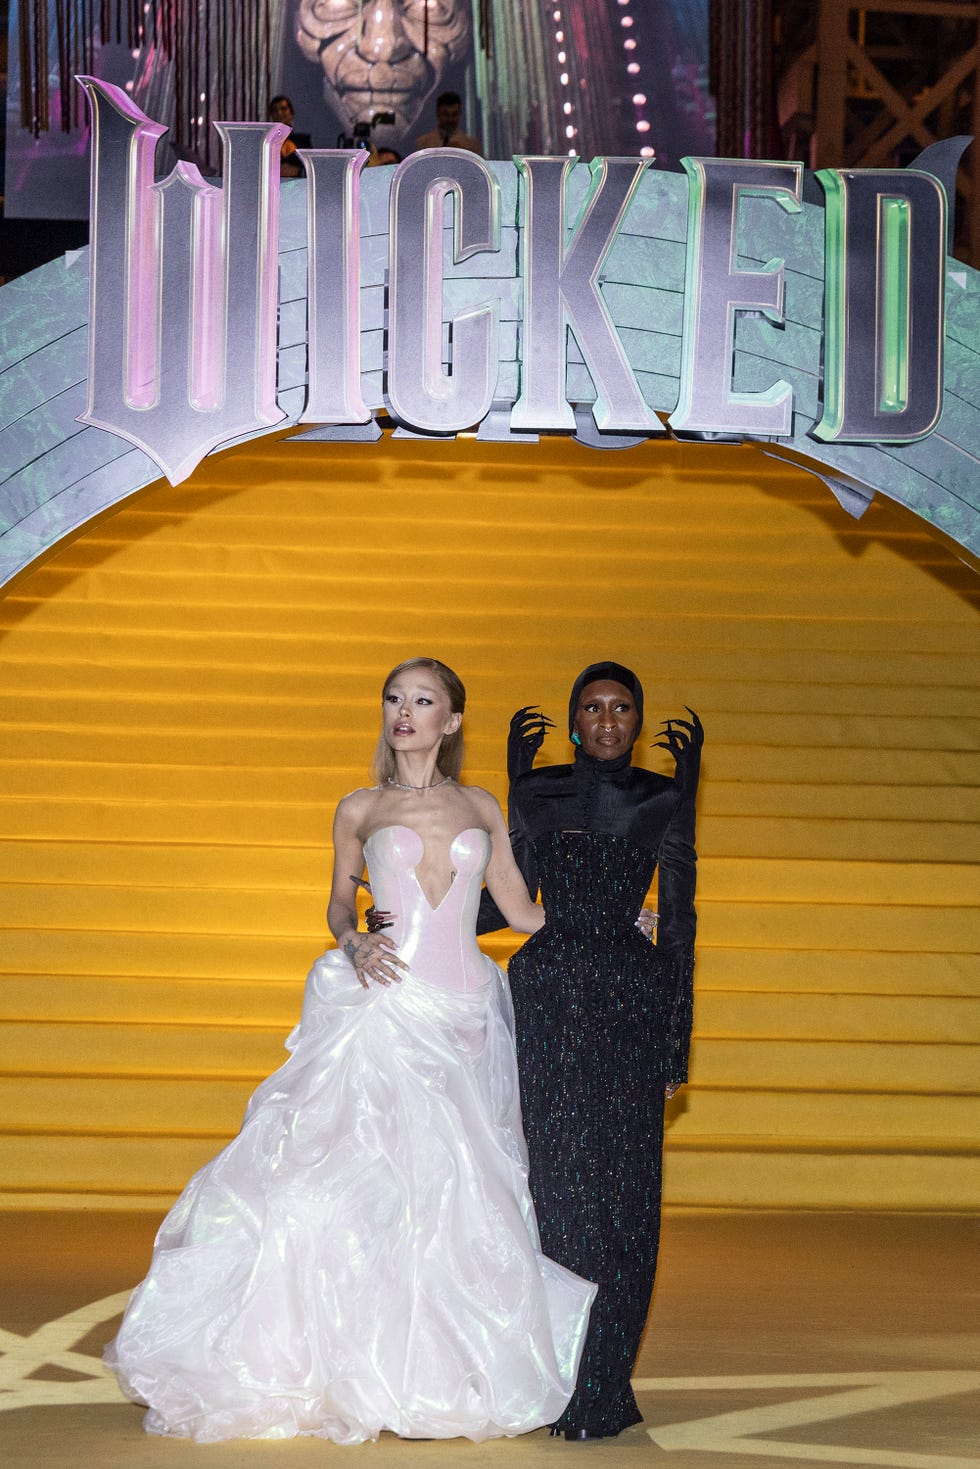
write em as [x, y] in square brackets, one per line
[190, 685]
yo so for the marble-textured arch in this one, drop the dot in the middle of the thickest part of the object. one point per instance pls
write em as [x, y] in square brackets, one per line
[56, 473]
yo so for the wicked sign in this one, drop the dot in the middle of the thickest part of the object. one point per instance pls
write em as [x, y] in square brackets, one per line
[184, 283]
[741, 299]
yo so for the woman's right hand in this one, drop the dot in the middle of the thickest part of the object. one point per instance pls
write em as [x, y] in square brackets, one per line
[527, 732]
[372, 957]
[647, 923]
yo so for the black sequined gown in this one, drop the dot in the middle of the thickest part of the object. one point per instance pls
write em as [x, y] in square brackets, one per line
[603, 1024]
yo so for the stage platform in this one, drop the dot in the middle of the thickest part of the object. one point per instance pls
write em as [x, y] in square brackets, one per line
[794, 1337]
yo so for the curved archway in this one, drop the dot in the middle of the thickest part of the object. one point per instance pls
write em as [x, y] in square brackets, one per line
[59, 473]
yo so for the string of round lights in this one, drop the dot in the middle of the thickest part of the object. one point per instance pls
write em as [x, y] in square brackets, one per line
[564, 78]
[627, 22]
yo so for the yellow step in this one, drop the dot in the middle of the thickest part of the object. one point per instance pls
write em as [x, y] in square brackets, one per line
[195, 1106]
[726, 1174]
[188, 1107]
[773, 536]
[276, 823]
[726, 519]
[295, 636]
[845, 1016]
[289, 911]
[869, 1065]
[850, 1118]
[289, 824]
[720, 879]
[853, 926]
[840, 1017]
[858, 840]
[812, 971]
[248, 957]
[192, 780]
[253, 1051]
[124, 1167]
[74, 729]
[213, 988]
[527, 592]
[828, 1177]
[88, 998]
[148, 864]
[71, 653]
[164, 910]
[62, 1049]
[836, 882]
[751, 633]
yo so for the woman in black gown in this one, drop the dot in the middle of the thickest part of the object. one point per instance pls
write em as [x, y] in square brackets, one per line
[603, 1016]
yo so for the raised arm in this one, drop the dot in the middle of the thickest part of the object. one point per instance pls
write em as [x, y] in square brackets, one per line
[525, 738]
[676, 884]
[678, 857]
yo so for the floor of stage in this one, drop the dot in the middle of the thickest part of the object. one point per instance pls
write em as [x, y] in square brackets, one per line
[809, 1338]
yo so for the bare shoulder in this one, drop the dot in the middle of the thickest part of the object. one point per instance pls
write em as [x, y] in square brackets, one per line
[486, 803]
[352, 808]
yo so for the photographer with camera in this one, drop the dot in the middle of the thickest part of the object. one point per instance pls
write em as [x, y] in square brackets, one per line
[378, 153]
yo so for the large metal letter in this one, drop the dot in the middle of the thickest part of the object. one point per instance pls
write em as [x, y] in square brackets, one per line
[561, 290]
[333, 293]
[160, 262]
[883, 347]
[420, 393]
[714, 289]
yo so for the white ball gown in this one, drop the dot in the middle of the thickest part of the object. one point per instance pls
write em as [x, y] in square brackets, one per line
[364, 1255]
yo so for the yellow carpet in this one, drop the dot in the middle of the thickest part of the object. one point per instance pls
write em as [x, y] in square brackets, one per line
[190, 685]
[818, 1340]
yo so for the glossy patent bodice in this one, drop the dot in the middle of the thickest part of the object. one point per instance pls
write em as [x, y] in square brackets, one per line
[438, 944]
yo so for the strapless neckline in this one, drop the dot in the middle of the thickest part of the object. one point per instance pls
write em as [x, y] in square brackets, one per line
[400, 826]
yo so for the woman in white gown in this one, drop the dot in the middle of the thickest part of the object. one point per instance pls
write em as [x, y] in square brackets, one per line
[364, 1255]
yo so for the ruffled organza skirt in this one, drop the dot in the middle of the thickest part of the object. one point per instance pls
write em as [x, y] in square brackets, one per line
[364, 1255]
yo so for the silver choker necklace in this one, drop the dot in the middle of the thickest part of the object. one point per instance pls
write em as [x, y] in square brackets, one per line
[433, 787]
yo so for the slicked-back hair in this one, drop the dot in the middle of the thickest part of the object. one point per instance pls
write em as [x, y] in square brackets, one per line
[450, 761]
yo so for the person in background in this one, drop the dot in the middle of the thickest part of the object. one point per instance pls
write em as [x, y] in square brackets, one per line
[290, 166]
[378, 157]
[447, 132]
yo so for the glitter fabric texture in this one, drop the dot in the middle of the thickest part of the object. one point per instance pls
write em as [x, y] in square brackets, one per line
[603, 1024]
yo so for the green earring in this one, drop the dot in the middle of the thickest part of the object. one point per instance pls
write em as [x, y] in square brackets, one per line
[575, 737]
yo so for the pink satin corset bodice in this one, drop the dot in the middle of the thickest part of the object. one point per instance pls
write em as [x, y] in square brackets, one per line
[438, 944]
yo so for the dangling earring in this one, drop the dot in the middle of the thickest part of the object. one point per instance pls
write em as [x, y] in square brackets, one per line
[576, 739]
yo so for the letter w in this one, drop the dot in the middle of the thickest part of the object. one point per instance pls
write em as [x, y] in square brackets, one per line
[181, 357]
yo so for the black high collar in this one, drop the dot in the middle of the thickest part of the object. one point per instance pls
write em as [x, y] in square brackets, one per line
[589, 767]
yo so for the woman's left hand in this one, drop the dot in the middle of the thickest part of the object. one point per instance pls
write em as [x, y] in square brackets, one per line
[672, 1088]
[684, 739]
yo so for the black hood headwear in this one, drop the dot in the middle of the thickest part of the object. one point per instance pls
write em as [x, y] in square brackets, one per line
[618, 674]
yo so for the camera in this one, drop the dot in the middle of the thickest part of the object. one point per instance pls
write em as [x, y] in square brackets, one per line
[361, 135]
